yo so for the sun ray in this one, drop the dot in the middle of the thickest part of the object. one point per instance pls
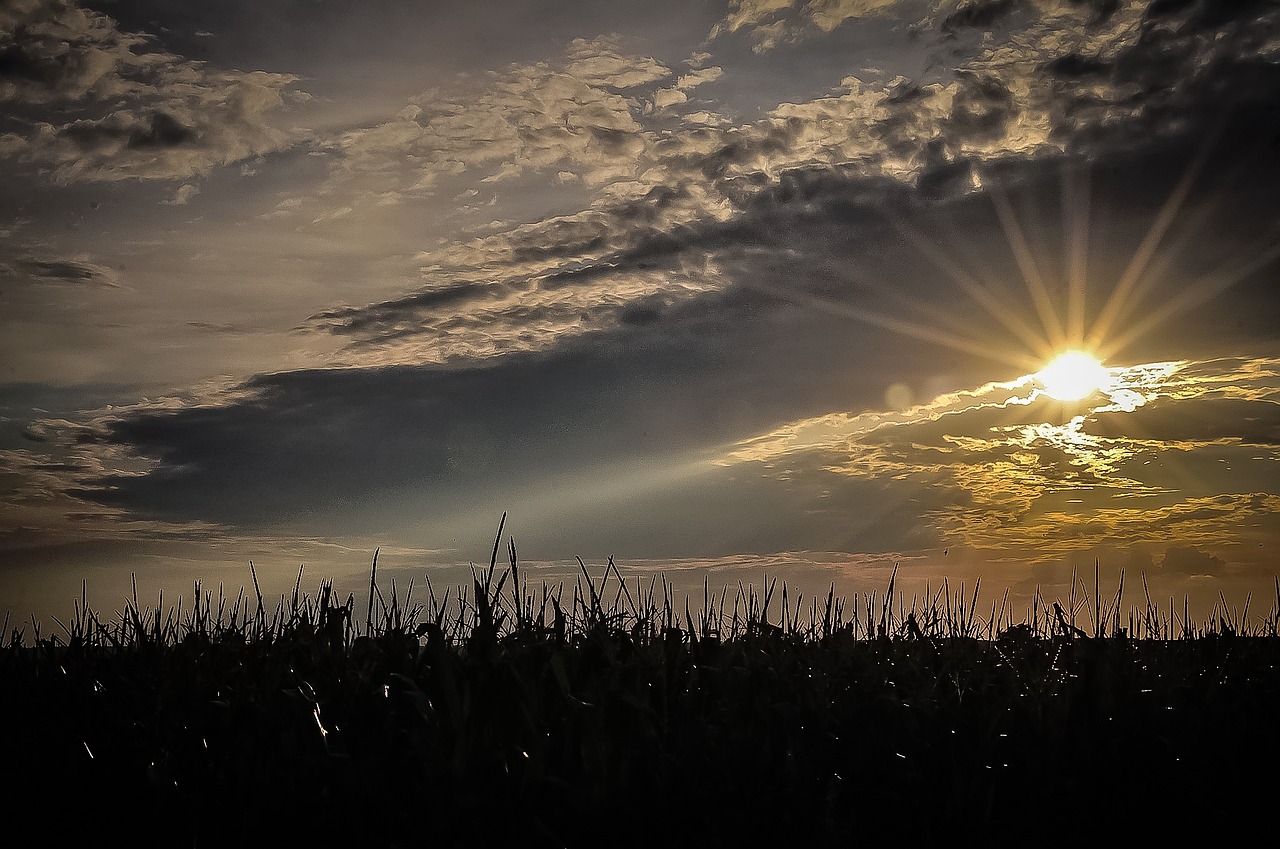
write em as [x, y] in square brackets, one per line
[1191, 227]
[926, 313]
[1163, 261]
[971, 286]
[900, 326]
[1123, 293]
[1022, 253]
[1195, 293]
[1076, 214]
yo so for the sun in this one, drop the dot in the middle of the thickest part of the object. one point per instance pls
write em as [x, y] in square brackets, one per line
[1072, 376]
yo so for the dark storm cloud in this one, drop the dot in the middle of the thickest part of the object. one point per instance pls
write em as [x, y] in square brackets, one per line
[1206, 420]
[644, 311]
[33, 436]
[73, 271]
[387, 445]
[981, 110]
[978, 14]
[1189, 560]
[1205, 14]
[300, 440]
[1161, 8]
[88, 101]
[390, 314]
[161, 130]
[947, 179]
[157, 130]
[16, 64]
[1183, 69]
[1074, 66]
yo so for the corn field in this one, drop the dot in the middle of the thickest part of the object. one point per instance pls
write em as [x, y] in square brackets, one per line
[611, 713]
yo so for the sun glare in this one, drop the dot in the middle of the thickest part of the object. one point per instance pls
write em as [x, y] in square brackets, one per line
[1072, 376]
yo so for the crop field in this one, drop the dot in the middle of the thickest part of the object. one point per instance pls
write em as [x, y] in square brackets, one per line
[610, 713]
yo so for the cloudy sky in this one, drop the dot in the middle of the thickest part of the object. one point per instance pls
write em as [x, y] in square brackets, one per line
[718, 288]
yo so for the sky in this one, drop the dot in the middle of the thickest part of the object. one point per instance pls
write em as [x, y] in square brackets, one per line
[723, 290]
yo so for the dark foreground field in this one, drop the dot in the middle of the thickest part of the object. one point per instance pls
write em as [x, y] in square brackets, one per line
[611, 715]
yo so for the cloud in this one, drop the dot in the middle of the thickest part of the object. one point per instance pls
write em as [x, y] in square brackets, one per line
[474, 321]
[727, 194]
[660, 377]
[1043, 74]
[598, 62]
[981, 109]
[724, 281]
[607, 355]
[666, 97]
[679, 93]
[683, 189]
[1189, 560]
[1107, 84]
[40, 502]
[74, 271]
[1027, 476]
[183, 195]
[140, 113]
[770, 23]
[773, 22]
[678, 191]
[829, 14]
[391, 448]
[752, 13]
[56, 50]
[1209, 420]
[978, 14]
[573, 116]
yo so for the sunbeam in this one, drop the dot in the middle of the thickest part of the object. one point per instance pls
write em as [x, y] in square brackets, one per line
[1076, 217]
[1124, 290]
[971, 286]
[901, 326]
[1049, 319]
[1197, 292]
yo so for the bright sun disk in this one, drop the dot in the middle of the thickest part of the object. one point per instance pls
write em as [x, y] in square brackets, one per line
[1072, 376]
